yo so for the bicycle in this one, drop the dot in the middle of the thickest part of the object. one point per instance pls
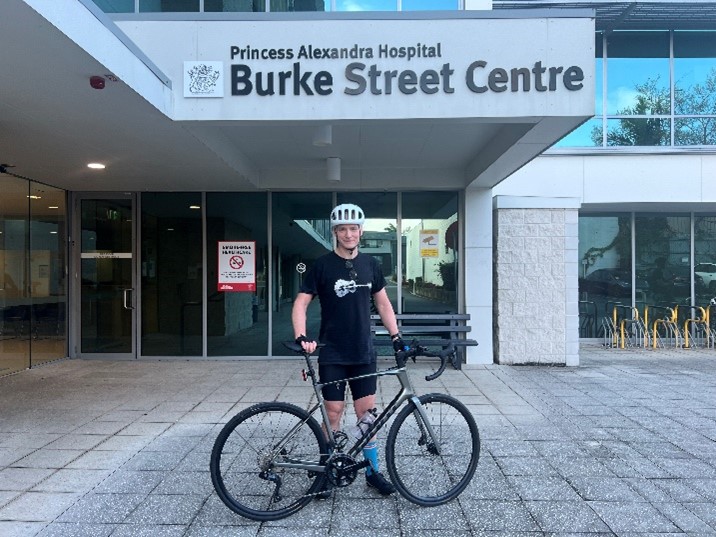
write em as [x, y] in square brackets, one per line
[270, 460]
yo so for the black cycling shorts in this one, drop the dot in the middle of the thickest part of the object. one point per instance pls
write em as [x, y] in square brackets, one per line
[359, 387]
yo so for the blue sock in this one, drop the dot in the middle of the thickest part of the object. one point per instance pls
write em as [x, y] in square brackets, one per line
[370, 452]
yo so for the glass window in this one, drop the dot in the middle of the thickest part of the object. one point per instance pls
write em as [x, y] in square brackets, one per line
[168, 6]
[301, 233]
[48, 280]
[638, 73]
[237, 321]
[589, 134]
[297, 5]
[172, 276]
[639, 131]
[430, 252]
[605, 278]
[695, 73]
[15, 301]
[116, 6]
[663, 258]
[429, 5]
[234, 6]
[705, 259]
[695, 130]
[366, 5]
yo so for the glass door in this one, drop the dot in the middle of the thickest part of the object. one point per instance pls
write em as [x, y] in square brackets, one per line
[104, 251]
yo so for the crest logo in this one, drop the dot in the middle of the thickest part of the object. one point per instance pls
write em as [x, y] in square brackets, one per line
[203, 79]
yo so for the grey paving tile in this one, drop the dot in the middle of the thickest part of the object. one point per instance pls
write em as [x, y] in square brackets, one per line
[12, 528]
[130, 482]
[242, 531]
[561, 517]
[178, 482]
[161, 509]
[72, 480]
[21, 479]
[48, 458]
[683, 518]
[543, 488]
[607, 489]
[634, 517]
[64, 529]
[38, 506]
[491, 515]
[101, 460]
[102, 508]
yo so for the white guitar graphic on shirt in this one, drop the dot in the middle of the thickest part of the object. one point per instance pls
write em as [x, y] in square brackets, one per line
[343, 287]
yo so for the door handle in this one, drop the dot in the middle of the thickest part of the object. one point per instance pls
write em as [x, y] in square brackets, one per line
[127, 299]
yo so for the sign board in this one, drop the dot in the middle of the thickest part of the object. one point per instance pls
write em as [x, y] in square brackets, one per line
[429, 242]
[447, 66]
[237, 266]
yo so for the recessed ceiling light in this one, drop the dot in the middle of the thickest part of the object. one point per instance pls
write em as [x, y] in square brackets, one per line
[96, 166]
[53, 207]
[170, 229]
[34, 197]
[194, 207]
[53, 232]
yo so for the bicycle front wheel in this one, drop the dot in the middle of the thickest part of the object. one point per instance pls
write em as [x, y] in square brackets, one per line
[260, 458]
[432, 471]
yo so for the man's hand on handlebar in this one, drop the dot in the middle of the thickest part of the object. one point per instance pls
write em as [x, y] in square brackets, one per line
[308, 345]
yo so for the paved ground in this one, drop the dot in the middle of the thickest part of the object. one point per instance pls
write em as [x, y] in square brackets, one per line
[623, 445]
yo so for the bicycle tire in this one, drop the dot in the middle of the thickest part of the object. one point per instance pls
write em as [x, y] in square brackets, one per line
[419, 473]
[246, 447]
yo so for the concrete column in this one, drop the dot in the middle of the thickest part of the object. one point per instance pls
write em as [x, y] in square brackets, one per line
[478, 273]
[536, 280]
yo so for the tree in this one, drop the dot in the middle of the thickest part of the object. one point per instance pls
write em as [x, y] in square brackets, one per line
[652, 100]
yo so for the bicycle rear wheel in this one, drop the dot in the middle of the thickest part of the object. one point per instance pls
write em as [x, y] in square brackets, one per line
[425, 473]
[247, 452]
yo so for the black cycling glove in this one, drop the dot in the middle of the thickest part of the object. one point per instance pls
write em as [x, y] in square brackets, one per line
[398, 344]
[300, 339]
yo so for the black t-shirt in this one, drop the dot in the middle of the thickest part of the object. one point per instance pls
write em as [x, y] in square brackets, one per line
[345, 306]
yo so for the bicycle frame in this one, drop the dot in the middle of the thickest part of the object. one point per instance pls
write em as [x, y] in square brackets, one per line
[406, 393]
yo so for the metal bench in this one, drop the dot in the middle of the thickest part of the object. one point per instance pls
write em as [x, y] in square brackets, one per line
[431, 329]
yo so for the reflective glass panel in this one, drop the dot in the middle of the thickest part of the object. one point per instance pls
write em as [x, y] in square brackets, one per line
[366, 5]
[106, 275]
[237, 320]
[235, 6]
[695, 73]
[168, 6]
[639, 131]
[705, 259]
[663, 258]
[172, 275]
[297, 5]
[48, 279]
[430, 256]
[599, 74]
[15, 302]
[429, 5]
[695, 130]
[301, 233]
[115, 6]
[638, 73]
[589, 134]
[605, 278]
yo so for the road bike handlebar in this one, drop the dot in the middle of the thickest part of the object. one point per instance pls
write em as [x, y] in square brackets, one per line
[415, 349]
[401, 357]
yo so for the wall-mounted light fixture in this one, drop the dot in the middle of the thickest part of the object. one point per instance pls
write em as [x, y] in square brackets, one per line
[323, 136]
[333, 169]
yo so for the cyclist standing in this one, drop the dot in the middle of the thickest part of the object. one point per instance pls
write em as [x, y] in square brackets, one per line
[344, 281]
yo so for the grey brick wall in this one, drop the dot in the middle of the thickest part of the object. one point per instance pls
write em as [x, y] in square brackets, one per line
[536, 317]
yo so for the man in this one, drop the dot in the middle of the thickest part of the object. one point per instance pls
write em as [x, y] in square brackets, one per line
[344, 281]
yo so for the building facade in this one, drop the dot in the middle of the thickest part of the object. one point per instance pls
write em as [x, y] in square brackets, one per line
[502, 177]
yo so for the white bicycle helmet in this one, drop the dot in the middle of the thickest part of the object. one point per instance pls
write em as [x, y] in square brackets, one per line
[347, 213]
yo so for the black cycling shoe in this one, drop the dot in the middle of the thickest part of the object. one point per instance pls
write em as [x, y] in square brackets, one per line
[378, 481]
